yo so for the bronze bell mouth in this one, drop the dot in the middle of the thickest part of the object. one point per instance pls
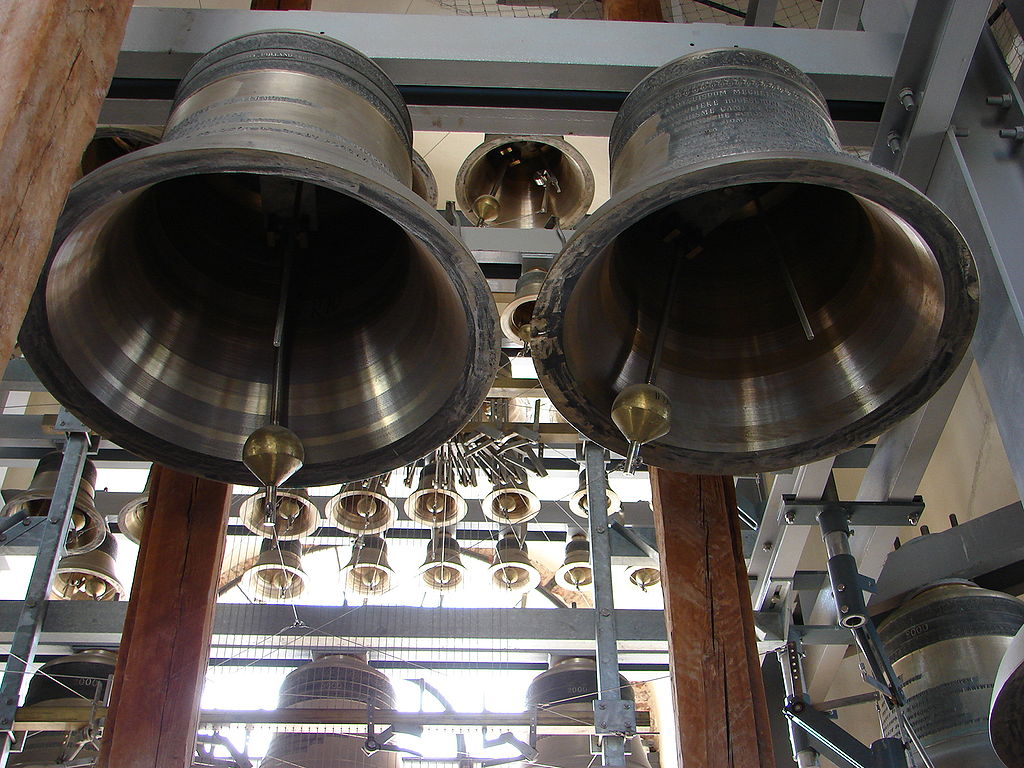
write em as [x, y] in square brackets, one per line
[789, 300]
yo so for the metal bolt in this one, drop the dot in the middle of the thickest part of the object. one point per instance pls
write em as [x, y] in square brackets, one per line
[767, 546]
[893, 142]
[1016, 133]
[31, 603]
[1003, 100]
[906, 97]
[844, 609]
[790, 516]
[601, 529]
[840, 587]
[601, 706]
[605, 612]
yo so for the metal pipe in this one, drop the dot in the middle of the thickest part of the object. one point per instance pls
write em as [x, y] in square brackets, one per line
[613, 744]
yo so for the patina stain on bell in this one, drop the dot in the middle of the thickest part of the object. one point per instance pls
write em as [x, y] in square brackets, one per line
[795, 300]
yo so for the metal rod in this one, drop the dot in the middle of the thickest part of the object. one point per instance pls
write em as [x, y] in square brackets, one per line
[786, 276]
[606, 630]
[30, 622]
[9, 522]
[287, 253]
[662, 332]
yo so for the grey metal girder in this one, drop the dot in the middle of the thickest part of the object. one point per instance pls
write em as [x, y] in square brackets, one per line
[256, 630]
[979, 181]
[840, 14]
[967, 551]
[893, 474]
[494, 52]
[936, 53]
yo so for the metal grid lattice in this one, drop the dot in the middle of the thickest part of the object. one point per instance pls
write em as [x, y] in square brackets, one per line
[790, 13]
[1007, 36]
[800, 14]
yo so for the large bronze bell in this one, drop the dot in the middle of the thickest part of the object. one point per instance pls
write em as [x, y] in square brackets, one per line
[277, 576]
[1005, 727]
[281, 187]
[75, 684]
[331, 682]
[90, 575]
[770, 299]
[525, 182]
[570, 688]
[88, 528]
[363, 507]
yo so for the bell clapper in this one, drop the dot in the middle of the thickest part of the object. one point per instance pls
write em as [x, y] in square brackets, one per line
[486, 207]
[790, 285]
[643, 412]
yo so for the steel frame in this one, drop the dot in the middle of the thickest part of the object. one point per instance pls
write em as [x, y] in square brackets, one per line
[501, 75]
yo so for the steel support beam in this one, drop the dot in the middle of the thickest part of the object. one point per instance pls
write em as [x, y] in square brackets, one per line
[971, 550]
[979, 181]
[936, 53]
[777, 550]
[488, 52]
[251, 632]
[840, 14]
[613, 717]
[761, 13]
[894, 474]
[32, 613]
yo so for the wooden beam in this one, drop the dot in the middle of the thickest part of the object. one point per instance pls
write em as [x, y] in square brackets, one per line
[154, 706]
[632, 10]
[719, 695]
[57, 58]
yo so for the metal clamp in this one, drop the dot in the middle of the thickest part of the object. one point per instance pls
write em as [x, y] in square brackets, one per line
[614, 717]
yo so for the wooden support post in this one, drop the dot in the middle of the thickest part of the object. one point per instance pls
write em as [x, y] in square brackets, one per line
[165, 644]
[716, 679]
[632, 10]
[57, 58]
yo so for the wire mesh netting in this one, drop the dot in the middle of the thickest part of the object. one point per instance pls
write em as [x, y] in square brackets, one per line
[789, 13]
[1007, 36]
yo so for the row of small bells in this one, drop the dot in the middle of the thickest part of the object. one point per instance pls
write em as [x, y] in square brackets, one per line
[365, 510]
[88, 568]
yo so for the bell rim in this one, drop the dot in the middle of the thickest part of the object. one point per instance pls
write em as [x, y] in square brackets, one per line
[132, 510]
[461, 508]
[335, 501]
[115, 595]
[532, 582]
[561, 578]
[166, 161]
[840, 171]
[577, 508]
[245, 510]
[533, 505]
[256, 569]
[17, 503]
[558, 142]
